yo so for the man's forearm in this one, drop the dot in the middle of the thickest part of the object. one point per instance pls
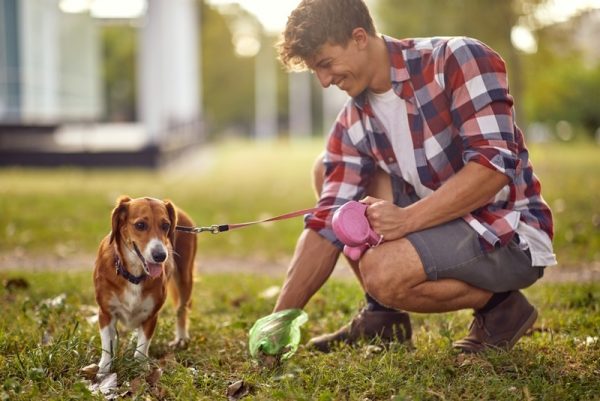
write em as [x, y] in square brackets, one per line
[470, 189]
[312, 264]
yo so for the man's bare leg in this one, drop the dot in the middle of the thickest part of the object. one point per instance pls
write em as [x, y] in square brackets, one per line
[375, 319]
[394, 275]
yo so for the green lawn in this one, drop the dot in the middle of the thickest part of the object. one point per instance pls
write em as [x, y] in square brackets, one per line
[67, 211]
[43, 345]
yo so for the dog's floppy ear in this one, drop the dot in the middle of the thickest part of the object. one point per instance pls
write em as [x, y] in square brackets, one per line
[118, 216]
[173, 218]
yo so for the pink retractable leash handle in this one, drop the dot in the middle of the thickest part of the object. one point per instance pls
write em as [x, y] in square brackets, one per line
[351, 226]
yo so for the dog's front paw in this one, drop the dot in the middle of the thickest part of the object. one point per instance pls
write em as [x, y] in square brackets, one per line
[179, 343]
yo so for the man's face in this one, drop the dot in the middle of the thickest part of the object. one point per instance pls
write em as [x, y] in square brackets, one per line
[341, 66]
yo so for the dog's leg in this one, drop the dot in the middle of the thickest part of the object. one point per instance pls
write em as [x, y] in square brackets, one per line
[145, 333]
[181, 290]
[108, 336]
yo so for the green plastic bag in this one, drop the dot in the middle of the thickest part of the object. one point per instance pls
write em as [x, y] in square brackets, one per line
[277, 334]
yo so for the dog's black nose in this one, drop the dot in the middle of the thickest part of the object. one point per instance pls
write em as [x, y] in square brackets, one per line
[159, 255]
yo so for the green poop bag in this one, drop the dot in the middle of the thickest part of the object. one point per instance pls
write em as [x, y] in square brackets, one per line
[277, 334]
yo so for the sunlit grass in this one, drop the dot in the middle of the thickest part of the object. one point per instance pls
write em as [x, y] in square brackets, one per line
[66, 211]
[43, 345]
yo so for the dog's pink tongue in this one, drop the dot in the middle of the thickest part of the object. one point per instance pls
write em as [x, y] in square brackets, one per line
[155, 269]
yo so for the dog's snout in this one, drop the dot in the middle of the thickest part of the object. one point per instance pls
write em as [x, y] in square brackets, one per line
[159, 255]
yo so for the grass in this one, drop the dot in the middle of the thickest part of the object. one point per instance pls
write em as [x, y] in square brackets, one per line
[66, 211]
[44, 344]
[45, 338]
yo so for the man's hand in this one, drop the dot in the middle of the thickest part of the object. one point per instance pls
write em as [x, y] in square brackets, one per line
[386, 218]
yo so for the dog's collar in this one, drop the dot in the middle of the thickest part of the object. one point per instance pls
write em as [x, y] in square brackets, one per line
[122, 271]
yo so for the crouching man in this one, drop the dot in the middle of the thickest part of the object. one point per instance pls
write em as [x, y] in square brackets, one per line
[428, 141]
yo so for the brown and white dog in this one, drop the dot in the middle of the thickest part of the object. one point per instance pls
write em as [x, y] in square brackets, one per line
[135, 263]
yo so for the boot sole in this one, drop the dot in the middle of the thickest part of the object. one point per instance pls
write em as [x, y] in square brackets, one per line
[526, 326]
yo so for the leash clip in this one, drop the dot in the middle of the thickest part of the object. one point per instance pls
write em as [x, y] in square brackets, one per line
[214, 229]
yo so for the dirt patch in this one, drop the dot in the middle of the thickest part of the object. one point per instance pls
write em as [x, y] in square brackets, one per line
[19, 260]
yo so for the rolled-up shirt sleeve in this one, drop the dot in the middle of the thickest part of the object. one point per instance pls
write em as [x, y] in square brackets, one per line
[475, 79]
[348, 170]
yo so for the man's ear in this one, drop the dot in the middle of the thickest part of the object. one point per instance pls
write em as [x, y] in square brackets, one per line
[360, 37]
[172, 218]
[119, 214]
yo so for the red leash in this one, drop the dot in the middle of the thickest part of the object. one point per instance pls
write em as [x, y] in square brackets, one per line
[219, 228]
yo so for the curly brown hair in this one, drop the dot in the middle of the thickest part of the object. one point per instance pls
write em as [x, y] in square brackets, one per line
[316, 22]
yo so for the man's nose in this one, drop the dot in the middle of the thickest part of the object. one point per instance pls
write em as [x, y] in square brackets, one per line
[325, 78]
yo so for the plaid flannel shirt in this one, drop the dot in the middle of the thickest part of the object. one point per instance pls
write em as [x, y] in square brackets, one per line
[459, 110]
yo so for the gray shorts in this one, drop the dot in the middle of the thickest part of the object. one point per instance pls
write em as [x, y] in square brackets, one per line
[452, 250]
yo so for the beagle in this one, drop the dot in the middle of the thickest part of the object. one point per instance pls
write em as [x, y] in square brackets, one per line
[138, 259]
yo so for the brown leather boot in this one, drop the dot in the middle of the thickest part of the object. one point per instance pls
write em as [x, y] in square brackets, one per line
[389, 326]
[500, 327]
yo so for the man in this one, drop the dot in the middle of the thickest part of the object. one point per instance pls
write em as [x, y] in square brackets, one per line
[428, 141]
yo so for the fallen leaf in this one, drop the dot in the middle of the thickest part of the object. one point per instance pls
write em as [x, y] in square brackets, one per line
[237, 390]
[12, 284]
[89, 371]
[154, 376]
[136, 385]
[106, 386]
[268, 361]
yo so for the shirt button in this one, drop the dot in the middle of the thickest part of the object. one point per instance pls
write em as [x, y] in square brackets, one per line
[390, 159]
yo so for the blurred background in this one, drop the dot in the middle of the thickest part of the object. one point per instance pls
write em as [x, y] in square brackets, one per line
[189, 95]
[142, 81]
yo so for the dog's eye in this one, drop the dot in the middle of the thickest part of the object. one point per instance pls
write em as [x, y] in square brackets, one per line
[141, 226]
[165, 227]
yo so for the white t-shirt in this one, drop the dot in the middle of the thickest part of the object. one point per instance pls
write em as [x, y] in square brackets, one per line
[390, 110]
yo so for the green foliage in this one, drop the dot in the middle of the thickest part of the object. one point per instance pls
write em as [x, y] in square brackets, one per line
[487, 20]
[552, 85]
[227, 79]
[571, 185]
[43, 344]
[566, 90]
[119, 63]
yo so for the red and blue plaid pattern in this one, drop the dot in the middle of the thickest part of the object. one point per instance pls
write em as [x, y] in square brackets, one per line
[459, 110]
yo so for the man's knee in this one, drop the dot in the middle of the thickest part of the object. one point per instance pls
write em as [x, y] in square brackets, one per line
[381, 282]
[388, 278]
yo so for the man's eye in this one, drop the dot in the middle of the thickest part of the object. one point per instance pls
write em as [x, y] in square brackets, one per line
[141, 226]
[165, 226]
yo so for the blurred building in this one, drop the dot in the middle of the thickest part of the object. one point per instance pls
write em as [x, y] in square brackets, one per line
[49, 64]
[51, 86]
